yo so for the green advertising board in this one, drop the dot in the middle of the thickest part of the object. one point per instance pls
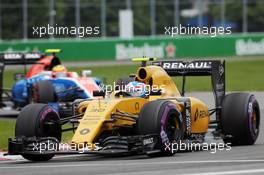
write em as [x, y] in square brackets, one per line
[161, 47]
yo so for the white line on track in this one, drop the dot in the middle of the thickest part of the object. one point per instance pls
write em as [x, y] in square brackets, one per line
[23, 160]
[230, 172]
[70, 165]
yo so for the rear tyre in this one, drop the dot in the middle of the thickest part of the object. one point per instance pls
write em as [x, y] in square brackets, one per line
[161, 117]
[240, 119]
[31, 122]
[43, 92]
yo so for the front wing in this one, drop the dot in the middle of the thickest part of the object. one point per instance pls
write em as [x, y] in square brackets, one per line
[112, 145]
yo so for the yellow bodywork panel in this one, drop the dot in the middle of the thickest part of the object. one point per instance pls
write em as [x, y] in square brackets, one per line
[100, 111]
[199, 116]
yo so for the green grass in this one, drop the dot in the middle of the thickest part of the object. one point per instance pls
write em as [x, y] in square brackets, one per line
[8, 131]
[240, 76]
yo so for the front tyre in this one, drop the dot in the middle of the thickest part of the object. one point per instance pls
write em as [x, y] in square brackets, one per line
[162, 118]
[240, 119]
[31, 122]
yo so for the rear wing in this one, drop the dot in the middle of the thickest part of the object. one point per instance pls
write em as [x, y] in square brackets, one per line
[213, 68]
[20, 58]
[15, 58]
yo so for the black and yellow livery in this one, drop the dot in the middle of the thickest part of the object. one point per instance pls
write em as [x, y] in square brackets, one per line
[119, 124]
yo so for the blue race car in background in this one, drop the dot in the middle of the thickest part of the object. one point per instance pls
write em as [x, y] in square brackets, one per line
[47, 81]
[59, 92]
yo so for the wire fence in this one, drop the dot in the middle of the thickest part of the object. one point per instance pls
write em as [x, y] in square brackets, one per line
[18, 17]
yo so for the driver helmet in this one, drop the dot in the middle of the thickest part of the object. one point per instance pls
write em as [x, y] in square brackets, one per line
[59, 71]
[136, 89]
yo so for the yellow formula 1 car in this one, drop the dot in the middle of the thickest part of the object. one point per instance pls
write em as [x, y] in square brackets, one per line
[120, 123]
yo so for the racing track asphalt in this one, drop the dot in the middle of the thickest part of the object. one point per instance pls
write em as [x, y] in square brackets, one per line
[240, 160]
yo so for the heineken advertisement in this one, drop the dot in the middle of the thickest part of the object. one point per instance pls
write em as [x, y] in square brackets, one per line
[249, 47]
[160, 47]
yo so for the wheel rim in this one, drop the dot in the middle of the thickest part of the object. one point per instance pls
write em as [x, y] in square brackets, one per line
[51, 130]
[173, 128]
[254, 122]
[254, 118]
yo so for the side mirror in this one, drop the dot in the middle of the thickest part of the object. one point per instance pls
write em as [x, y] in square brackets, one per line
[132, 75]
[98, 93]
[19, 76]
[86, 73]
[158, 92]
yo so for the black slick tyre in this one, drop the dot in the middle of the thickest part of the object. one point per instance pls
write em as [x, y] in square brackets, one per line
[31, 123]
[240, 119]
[161, 117]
